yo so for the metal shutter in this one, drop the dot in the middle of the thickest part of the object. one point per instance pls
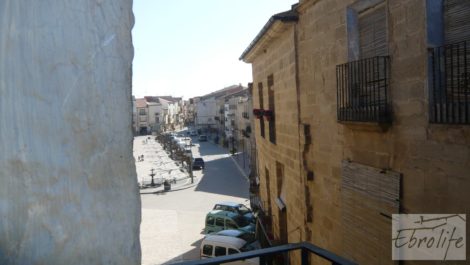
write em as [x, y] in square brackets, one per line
[457, 20]
[373, 32]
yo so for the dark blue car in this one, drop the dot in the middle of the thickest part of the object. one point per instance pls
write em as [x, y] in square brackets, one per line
[198, 163]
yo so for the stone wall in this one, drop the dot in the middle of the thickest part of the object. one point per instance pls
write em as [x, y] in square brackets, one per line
[434, 160]
[279, 61]
[69, 188]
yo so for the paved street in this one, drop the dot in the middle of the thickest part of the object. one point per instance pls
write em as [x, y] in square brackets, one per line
[172, 222]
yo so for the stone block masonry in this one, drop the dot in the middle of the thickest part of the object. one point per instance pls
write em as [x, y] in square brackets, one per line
[68, 192]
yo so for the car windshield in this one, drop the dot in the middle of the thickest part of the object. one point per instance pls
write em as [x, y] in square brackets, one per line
[198, 160]
[243, 209]
[241, 222]
[248, 237]
[247, 247]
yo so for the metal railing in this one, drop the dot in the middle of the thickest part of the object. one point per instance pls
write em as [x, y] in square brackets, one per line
[449, 95]
[264, 254]
[362, 90]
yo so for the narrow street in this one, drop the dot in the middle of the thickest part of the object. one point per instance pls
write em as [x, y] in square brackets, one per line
[173, 222]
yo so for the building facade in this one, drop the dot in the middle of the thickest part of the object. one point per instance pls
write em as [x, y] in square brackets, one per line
[210, 115]
[367, 107]
[142, 125]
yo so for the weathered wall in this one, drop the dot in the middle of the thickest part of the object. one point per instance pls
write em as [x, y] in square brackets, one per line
[279, 60]
[68, 192]
[434, 159]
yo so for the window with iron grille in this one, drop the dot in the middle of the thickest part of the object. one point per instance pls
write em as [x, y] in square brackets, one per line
[363, 83]
[362, 88]
[450, 90]
[272, 121]
[261, 106]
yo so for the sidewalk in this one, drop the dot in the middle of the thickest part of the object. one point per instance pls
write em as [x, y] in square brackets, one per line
[240, 159]
[242, 163]
[156, 161]
[181, 184]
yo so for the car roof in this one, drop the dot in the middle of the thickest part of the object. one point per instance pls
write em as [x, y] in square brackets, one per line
[230, 232]
[198, 158]
[233, 241]
[222, 213]
[232, 204]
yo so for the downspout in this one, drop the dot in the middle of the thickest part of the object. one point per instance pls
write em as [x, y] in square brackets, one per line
[299, 123]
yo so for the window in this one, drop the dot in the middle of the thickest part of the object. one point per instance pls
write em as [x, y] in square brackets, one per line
[210, 220]
[363, 83]
[272, 124]
[261, 106]
[220, 251]
[450, 72]
[142, 112]
[219, 222]
[268, 189]
[372, 32]
[230, 224]
[207, 250]
[232, 251]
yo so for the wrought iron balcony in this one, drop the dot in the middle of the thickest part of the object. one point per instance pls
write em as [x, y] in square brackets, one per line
[362, 90]
[306, 249]
[449, 95]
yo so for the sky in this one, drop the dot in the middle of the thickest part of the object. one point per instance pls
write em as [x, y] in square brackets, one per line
[188, 48]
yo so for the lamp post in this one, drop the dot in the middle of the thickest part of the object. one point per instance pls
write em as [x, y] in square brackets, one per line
[190, 165]
[152, 174]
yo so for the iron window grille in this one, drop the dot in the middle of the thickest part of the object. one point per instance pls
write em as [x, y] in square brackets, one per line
[362, 90]
[449, 95]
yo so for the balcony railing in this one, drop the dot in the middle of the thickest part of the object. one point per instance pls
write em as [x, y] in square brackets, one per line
[265, 254]
[362, 89]
[449, 95]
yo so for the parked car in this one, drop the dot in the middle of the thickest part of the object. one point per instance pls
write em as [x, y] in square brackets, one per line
[202, 138]
[247, 236]
[217, 220]
[236, 208]
[193, 133]
[198, 163]
[216, 246]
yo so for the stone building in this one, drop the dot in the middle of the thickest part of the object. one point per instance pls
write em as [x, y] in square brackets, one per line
[368, 106]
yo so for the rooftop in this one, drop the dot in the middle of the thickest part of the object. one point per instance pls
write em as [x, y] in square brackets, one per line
[283, 17]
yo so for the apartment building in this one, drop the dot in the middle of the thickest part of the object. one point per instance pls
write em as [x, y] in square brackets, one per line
[363, 111]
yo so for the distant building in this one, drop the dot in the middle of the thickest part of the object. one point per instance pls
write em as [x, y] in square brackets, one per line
[158, 113]
[209, 108]
[142, 125]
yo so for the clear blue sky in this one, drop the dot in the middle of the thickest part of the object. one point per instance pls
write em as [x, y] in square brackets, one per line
[191, 47]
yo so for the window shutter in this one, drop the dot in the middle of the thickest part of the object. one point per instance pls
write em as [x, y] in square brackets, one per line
[457, 20]
[373, 32]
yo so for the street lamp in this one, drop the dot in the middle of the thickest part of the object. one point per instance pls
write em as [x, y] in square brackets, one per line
[152, 174]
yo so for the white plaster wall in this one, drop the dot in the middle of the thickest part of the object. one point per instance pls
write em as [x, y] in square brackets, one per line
[68, 186]
[206, 109]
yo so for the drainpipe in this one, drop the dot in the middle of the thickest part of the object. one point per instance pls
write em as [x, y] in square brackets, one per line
[299, 121]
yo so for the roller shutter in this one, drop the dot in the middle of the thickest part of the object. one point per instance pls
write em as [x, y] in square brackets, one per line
[457, 20]
[373, 32]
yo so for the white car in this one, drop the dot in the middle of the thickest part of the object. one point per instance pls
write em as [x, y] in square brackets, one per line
[216, 245]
